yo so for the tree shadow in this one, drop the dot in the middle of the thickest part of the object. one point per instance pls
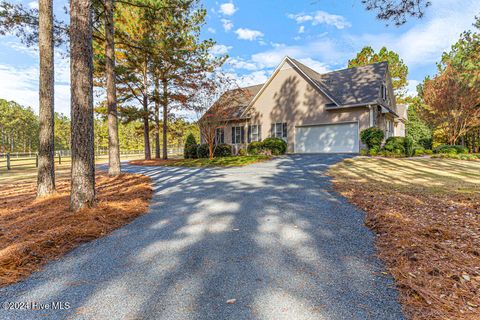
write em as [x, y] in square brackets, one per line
[273, 236]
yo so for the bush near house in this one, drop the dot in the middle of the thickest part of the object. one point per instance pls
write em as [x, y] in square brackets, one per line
[202, 151]
[255, 147]
[395, 145]
[276, 146]
[451, 149]
[190, 149]
[221, 150]
[372, 137]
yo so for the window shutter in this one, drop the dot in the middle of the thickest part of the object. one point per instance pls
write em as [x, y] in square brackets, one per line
[259, 132]
[272, 131]
[233, 135]
[222, 135]
[284, 129]
[249, 135]
[242, 133]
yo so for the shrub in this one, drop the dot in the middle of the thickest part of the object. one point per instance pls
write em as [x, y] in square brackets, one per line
[409, 146]
[190, 148]
[426, 143]
[395, 145]
[222, 150]
[372, 137]
[363, 152]
[373, 152]
[202, 151]
[451, 149]
[428, 151]
[275, 145]
[419, 151]
[255, 147]
[190, 152]
[242, 152]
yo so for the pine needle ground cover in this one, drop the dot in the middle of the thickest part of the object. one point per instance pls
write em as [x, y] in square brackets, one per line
[426, 214]
[35, 231]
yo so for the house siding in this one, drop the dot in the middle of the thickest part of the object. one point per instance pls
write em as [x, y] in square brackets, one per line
[290, 98]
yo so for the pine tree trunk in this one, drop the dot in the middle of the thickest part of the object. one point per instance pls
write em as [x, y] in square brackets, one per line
[113, 141]
[165, 117]
[46, 147]
[81, 73]
[157, 120]
[146, 129]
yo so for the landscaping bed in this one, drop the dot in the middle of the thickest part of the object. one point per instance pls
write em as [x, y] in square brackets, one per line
[233, 161]
[35, 231]
[426, 214]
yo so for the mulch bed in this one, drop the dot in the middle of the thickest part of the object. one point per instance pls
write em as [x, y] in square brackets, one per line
[35, 231]
[430, 243]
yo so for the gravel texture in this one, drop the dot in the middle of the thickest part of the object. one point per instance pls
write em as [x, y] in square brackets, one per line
[272, 239]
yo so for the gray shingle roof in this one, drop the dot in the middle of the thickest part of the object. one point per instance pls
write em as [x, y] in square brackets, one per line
[352, 86]
[346, 87]
[234, 102]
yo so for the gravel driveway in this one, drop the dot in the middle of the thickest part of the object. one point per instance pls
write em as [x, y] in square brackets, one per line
[273, 236]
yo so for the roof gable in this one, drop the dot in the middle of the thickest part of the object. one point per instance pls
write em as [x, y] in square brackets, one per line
[352, 86]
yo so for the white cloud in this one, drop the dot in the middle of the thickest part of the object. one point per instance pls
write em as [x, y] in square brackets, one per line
[318, 66]
[33, 5]
[301, 29]
[412, 87]
[227, 24]
[248, 34]
[211, 30]
[238, 63]
[325, 50]
[220, 49]
[424, 43]
[21, 85]
[228, 8]
[256, 77]
[321, 17]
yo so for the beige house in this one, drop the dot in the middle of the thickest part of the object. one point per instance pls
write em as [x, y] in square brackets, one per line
[313, 112]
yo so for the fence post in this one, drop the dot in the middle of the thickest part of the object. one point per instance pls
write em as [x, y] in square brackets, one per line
[36, 160]
[8, 161]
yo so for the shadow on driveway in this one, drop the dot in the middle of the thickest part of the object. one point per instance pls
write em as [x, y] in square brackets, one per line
[273, 236]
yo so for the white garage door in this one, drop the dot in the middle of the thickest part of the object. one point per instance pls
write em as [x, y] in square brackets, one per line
[331, 138]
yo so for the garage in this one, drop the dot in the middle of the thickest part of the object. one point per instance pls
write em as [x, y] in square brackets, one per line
[327, 138]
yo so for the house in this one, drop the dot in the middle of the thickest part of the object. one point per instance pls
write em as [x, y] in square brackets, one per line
[313, 112]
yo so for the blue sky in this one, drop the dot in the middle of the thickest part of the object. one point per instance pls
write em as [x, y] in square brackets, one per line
[323, 34]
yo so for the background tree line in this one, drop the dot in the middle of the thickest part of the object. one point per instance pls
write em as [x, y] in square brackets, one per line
[19, 128]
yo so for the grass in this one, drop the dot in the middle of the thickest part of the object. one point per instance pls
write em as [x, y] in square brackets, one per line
[459, 156]
[234, 161]
[24, 169]
[426, 213]
[34, 231]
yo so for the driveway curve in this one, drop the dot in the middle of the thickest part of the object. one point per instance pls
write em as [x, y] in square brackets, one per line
[273, 236]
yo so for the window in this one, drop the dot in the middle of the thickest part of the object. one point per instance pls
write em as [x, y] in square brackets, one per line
[384, 92]
[238, 135]
[220, 135]
[254, 133]
[279, 130]
[389, 129]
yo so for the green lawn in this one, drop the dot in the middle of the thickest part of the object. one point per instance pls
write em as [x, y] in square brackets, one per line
[234, 161]
[25, 170]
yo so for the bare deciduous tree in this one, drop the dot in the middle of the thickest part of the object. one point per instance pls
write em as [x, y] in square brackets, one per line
[220, 96]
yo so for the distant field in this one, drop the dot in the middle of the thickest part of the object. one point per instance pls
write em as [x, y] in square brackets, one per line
[23, 169]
